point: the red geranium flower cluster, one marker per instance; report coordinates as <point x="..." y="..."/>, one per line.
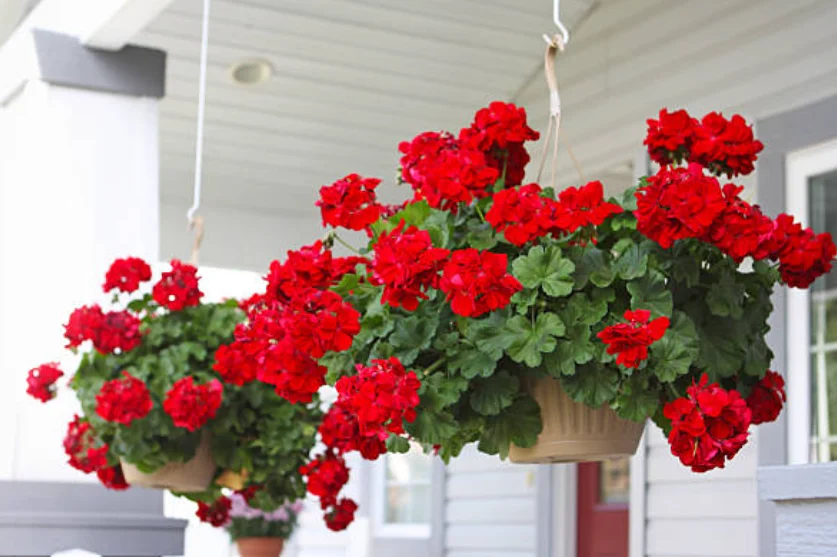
<point x="631" y="340"/>
<point x="350" y="203"/>
<point x="444" y="171"/>
<point x="327" y="474"/>
<point x="296" y="321"/>
<point x="478" y="282"/>
<point x="499" y="131"/>
<point x="178" y="288"/>
<point x="235" y="363"/>
<point x="723" y="146"/>
<point x="127" y="274"/>
<point x="741" y="230"/>
<point x="670" y="138"/>
<point x="381" y="397"/>
<point x="320" y="321"/>
<point x="681" y="203"/>
<point x="112" y="477"/>
<point x="709" y="425"/>
<point x="308" y="267"/>
<point x="191" y="406"/>
<point x="217" y="514"/>
<point x="110" y="332"/>
<point x="79" y="444"/>
<point x="803" y="255"/>
<point x="341" y="515"/>
<point x="406" y="264"/>
<point x="523" y="214"/>
<point x="584" y="206"/>
<point x="370" y="406"/>
<point x="123" y="400"/>
<point x="41" y="381"/>
<point x="678" y="203"/>
<point x="767" y="398"/>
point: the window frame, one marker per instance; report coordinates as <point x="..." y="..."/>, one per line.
<point x="801" y="165"/>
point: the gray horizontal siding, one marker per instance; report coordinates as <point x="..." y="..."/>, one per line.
<point x="700" y="515"/>
<point x="490" y="508"/>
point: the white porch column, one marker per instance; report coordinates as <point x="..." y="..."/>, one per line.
<point x="78" y="188"/>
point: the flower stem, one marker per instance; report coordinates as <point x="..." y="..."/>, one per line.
<point x="435" y="365"/>
<point x="346" y="245"/>
<point x="479" y="212"/>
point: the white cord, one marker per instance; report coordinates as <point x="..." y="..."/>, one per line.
<point x="196" y="203"/>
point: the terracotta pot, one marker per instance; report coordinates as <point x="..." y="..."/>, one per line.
<point x="260" y="547"/>
<point x="191" y="476"/>
<point x="574" y="432"/>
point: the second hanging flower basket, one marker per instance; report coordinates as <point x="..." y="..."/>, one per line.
<point x="166" y="405"/>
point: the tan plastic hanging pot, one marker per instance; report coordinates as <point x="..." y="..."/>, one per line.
<point x="187" y="477"/>
<point x="574" y="432"/>
<point x="260" y="547"/>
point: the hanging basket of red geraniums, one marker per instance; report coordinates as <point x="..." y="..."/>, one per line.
<point x="159" y="408"/>
<point x="489" y="311"/>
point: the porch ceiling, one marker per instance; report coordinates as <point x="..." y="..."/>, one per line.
<point x="351" y="79"/>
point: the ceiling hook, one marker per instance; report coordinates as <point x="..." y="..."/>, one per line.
<point x="556" y="17"/>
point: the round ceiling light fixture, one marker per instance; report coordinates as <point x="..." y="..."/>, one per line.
<point x="251" y="72"/>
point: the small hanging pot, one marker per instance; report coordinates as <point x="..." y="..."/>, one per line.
<point x="186" y="477"/>
<point x="260" y="547"/>
<point x="574" y="432"/>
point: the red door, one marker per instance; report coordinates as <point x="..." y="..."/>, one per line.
<point x="603" y="491"/>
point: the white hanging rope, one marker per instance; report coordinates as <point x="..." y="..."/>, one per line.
<point x="196" y="202"/>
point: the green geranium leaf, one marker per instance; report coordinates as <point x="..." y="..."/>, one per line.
<point x="674" y="354"/>
<point x="439" y="227"/>
<point x="482" y="237"/>
<point x="439" y="391"/>
<point x="382" y="350"/>
<point x="472" y="362"/>
<point x="414" y="214"/>
<point x="412" y="335"/>
<point x="490" y="334"/>
<point x="448" y="343"/>
<point x="519" y="424"/>
<point x="524" y="299"/>
<point x="722" y="347"/>
<point x="397" y="444"/>
<point x="347" y="284"/>
<point x="629" y="197"/>
<point x="593" y="266"/>
<point x="580" y="308"/>
<point x="491" y="395"/>
<point x="433" y="428"/>
<point x="650" y="292"/>
<point x="636" y="400"/>
<point x="592" y="384"/>
<point x="546" y="269"/>
<point x="758" y="356"/>
<point x="726" y="297"/>
<point x="632" y="263"/>
<point x="531" y="340"/>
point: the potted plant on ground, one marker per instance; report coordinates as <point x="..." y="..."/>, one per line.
<point x="163" y="405"/>
<point x="544" y="325"/>
<point x="259" y="533"/>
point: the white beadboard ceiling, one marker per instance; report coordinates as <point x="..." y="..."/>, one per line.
<point x="352" y="78"/>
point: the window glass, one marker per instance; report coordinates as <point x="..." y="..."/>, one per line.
<point x="407" y="496"/>
<point x="615" y="481"/>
